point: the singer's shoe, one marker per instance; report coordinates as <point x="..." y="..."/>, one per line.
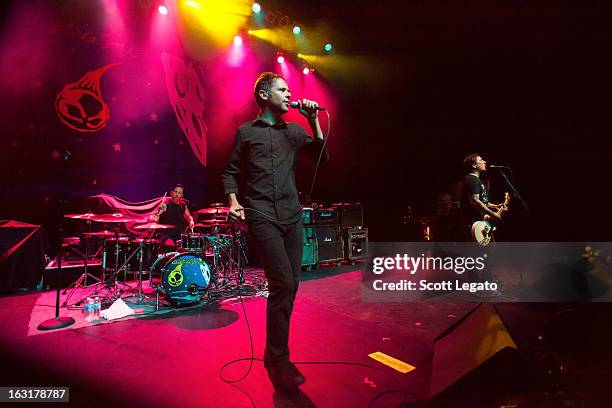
<point x="285" y="375"/>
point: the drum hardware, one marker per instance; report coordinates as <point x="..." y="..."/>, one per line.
<point x="203" y="267"/>
<point x="111" y="284"/>
<point x="185" y="277"/>
<point x="117" y="218"/>
<point x="213" y="210"/>
<point x="191" y="242"/>
<point x="103" y="234"/>
<point x="141" y="250"/>
<point x="81" y="282"/>
<point x="153" y="226"/>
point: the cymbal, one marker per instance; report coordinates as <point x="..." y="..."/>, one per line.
<point x="105" y="233"/>
<point x="153" y="226"/>
<point x="117" y="217"/>
<point x="213" y="210"/>
<point x="86" y="216"/>
<point x="211" y="223"/>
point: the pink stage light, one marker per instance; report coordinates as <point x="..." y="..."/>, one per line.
<point x="280" y="59"/>
<point x="306" y="71"/>
<point x="237" y="40"/>
<point x="163" y="10"/>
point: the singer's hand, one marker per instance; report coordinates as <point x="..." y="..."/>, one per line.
<point x="309" y="109"/>
<point x="236" y="212"/>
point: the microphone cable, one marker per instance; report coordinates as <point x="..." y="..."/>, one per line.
<point x="325" y="139"/>
<point x="234" y="382"/>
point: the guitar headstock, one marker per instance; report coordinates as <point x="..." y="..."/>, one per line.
<point x="506" y="199"/>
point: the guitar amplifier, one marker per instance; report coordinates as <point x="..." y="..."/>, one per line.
<point x="306" y="215"/>
<point x="330" y="243"/>
<point x="325" y="216"/>
<point x="355" y="243"/>
<point x="350" y="214"/>
<point x="310" y="252"/>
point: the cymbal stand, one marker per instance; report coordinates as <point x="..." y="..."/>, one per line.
<point x="111" y="284"/>
<point x="81" y="282"/>
<point x="140" y="251"/>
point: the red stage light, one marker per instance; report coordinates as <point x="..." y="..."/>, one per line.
<point x="280" y="59"/>
<point x="306" y="71"/>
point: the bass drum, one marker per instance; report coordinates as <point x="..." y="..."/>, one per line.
<point x="184" y="276"/>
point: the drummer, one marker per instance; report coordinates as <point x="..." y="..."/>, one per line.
<point x="173" y="211"/>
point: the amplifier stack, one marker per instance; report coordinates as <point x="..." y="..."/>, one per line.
<point x="333" y="234"/>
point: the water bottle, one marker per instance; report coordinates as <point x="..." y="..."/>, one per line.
<point x="98" y="307"/>
<point x="86" y="309"/>
<point x="90" y="310"/>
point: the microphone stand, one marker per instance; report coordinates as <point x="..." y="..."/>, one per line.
<point x="514" y="190"/>
<point x="518" y="196"/>
<point x="59" y="321"/>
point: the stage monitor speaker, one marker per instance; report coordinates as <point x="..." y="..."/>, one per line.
<point x="330" y="243"/>
<point x="310" y="252"/>
<point x="476" y="361"/>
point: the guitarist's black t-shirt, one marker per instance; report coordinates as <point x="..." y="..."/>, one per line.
<point x="472" y="185"/>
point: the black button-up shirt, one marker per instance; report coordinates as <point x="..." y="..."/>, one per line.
<point x="264" y="159"/>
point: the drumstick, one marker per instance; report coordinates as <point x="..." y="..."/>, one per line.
<point x="163" y="200"/>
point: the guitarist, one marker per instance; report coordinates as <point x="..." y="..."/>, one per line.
<point x="474" y="197"/>
<point x="475" y="204"/>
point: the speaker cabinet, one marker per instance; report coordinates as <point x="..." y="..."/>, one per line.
<point x="330" y="243"/>
<point x="355" y="243"/>
<point x="350" y="214"/>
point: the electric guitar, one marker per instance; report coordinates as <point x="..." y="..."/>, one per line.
<point x="482" y="231"/>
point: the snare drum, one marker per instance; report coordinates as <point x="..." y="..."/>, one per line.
<point x="185" y="277"/>
<point x="192" y="242"/>
<point x="109" y="260"/>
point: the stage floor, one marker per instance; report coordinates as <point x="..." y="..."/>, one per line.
<point x="174" y="359"/>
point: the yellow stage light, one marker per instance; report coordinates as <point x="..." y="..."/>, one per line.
<point x="215" y="21"/>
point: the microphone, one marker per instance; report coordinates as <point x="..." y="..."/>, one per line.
<point x="296" y="105"/>
<point x="493" y="166"/>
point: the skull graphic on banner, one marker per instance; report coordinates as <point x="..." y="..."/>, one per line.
<point x="185" y="85"/>
<point x="80" y="105"/>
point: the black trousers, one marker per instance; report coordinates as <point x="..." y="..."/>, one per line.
<point x="280" y="251"/>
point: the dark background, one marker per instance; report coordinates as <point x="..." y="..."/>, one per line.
<point x="524" y="83"/>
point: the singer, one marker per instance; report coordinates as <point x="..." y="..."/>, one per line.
<point x="263" y="160"/>
<point x="173" y="211"/>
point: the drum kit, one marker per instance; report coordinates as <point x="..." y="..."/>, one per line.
<point x="205" y="261"/>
